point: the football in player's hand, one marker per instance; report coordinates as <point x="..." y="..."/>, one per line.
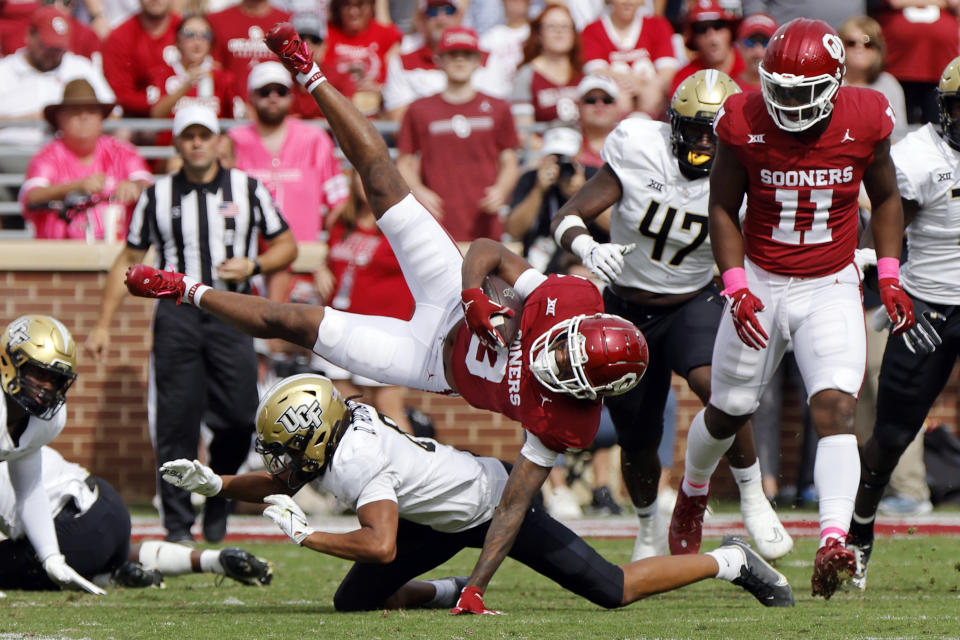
<point x="499" y="291"/>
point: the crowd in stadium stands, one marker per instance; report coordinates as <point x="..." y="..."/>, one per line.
<point x="502" y="106"/>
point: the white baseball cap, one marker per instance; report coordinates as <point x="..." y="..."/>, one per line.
<point x="604" y="83"/>
<point x="195" y="114"/>
<point x="561" y="141"/>
<point x="265" y="73"/>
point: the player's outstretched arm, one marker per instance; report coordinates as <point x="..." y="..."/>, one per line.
<point x="194" y="476"/>
<point x="374" y="541"/>
<point x="524" y="482"/>
<point x="358" y="138"/>
<point x="486" y="257"/>
<point x="253" y="315"/>
<point x="570" y="232"/>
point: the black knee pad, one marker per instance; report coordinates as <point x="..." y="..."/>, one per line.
<point x="875" y="479"/>
<point x="894" y="438"/>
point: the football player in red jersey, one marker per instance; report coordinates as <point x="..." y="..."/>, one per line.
<point x="551" y="378"/>
<point x="798" y="150"/>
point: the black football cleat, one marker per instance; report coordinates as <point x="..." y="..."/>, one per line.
<point x="245" y="567"/>
<point x="761" y="580"/>
<point x="133" y="576"/>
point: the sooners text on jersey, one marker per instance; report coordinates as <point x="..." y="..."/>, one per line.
<point x="501" y="380"/>
<point x="801" y="215"/>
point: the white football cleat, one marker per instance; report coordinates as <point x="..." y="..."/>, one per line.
<point x="766" y="530"/>
<point x="651" y="538"/>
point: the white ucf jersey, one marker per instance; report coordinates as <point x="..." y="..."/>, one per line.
<point x="62" y="481"/>
<point x="661" y="210"/>
<point x="433" y="484"/>
<point x="38" y="433"/>
<point x="928" y="172"/>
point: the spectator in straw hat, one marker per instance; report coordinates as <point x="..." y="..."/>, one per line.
<point x="81" y="160"/>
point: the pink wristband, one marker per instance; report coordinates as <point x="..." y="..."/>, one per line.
<point x="888" y="268"/>
<point x="734" y="279"/>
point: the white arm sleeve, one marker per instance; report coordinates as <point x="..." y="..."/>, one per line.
<point x="33" y="506"/>
<point x="537" y="452"/>
<point x="527" y="282"/>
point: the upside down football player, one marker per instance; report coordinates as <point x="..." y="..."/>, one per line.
<point x="420" y="502"/>
<point x="657" y="176"/>
<point x="565" y="358"/>
<point x="799" y="150"/>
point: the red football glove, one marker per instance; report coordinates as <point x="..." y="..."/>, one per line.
<point x="898" y="304"/>
<point x="284" y="41"/>
<point x="743" y="308"/>
<point x="478" y="311"/>
<point x="147" y="282"/>
<point x="471" y="601"/>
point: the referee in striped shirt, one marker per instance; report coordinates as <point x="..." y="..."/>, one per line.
<point x="206" y="221"/>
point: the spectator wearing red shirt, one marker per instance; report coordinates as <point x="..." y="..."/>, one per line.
<point x="636" y="50"/>
<point x="13" y="29"/>
<point x="922" y="38"/>
<point x="709" y="34"/>
<point x="135" y="52"/>
<point x="83" y="160"/>
<point x="545" y="85"/>
<point x="238" y="32"/>
<point x="194" y="77"/>
<point x="358" y="48"/>
<point x="362" y="275"/>
<point x="457" y="148"/>
<point x="753" y="35"/>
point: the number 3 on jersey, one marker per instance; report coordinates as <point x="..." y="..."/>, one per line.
<point x="786" y="231"/>
<point x="484" y="362"/>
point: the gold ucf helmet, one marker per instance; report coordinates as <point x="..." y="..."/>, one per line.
<point x="44" y="344"/>
<point x="694" y="104"/>
<point x="948" y="97"/>
<point x="299" y="424"/>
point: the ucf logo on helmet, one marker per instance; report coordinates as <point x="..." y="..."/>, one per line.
<point x="19" y="331"/>
<point x="303" y="417"/>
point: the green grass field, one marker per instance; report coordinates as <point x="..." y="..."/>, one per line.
<point x="913" y="591"/>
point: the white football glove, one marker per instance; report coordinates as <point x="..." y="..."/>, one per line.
<point x="604" y="260"/>
<point x="288" y="515"/>
<point x="63" y="574"/>
<point x="193" y="476"/>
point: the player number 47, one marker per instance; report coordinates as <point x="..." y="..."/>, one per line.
<point x="661" y="235"/>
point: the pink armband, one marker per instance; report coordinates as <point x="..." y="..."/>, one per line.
<point x="734" y="279"/>
<point x="888" y="268"/>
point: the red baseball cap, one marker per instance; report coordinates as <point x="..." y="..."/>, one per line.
<point x="758" y="23"/>
<point x="458" y="39"/>
<point x="52" y="26"/>
<point x="707" y="11"/>
<point x="426" y="4"/>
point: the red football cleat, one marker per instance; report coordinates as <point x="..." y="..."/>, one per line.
<point x="834" y="564"/>
<point x="284" y="41"/>
<point x="686" y="525"/>
<point x="146" y="282"/>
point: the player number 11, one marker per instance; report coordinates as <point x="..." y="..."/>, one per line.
<point x="787" y="232"/>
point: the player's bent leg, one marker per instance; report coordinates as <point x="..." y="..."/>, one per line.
<point x="429" y="258"/>
<point x="388" y="350"/>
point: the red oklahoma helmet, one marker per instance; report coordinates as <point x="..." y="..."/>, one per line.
<point x="607" y="354"/>
<point x="801" y="73"/>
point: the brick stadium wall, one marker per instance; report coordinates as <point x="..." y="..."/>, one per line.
<point x="107" y="420"/>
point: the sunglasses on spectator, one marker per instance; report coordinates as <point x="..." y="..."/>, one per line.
<point x="190" y="35"/>
<point x="312" y="39"/>
<point x="866" y="43"/>
<point x="436" y="10"/>
<point x="279" y="89"/>
<point x="65" y="3"/>
<point x="701" y="28"/>
<point x="596" y="99"/>
<point x="751" y="41"/>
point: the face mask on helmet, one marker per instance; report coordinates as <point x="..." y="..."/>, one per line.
<point x="299" y="424"/>
<point x="692" y="109"/>
<point x="948" y="99"/>
<point x="797" y="103"/>
<point x="38" y="363"/>
<point x="589" y="356"/>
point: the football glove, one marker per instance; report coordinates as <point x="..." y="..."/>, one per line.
<point x="146" y="282"/>
<point x="478" y="311"/>
<point x="604" y="260"/>
<point x="471" y="601"/>
<point x="285" y="42"/>
<point x="922" y="338"/>
<point x="192" y="476"/>
<point x="744" y="307"/>
<point x="64" y="575"/>
<point x="288" y="515"/>
<point x="898" y="304"/>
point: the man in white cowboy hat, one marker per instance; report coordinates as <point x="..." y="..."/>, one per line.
<point x="82" y="162"/>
